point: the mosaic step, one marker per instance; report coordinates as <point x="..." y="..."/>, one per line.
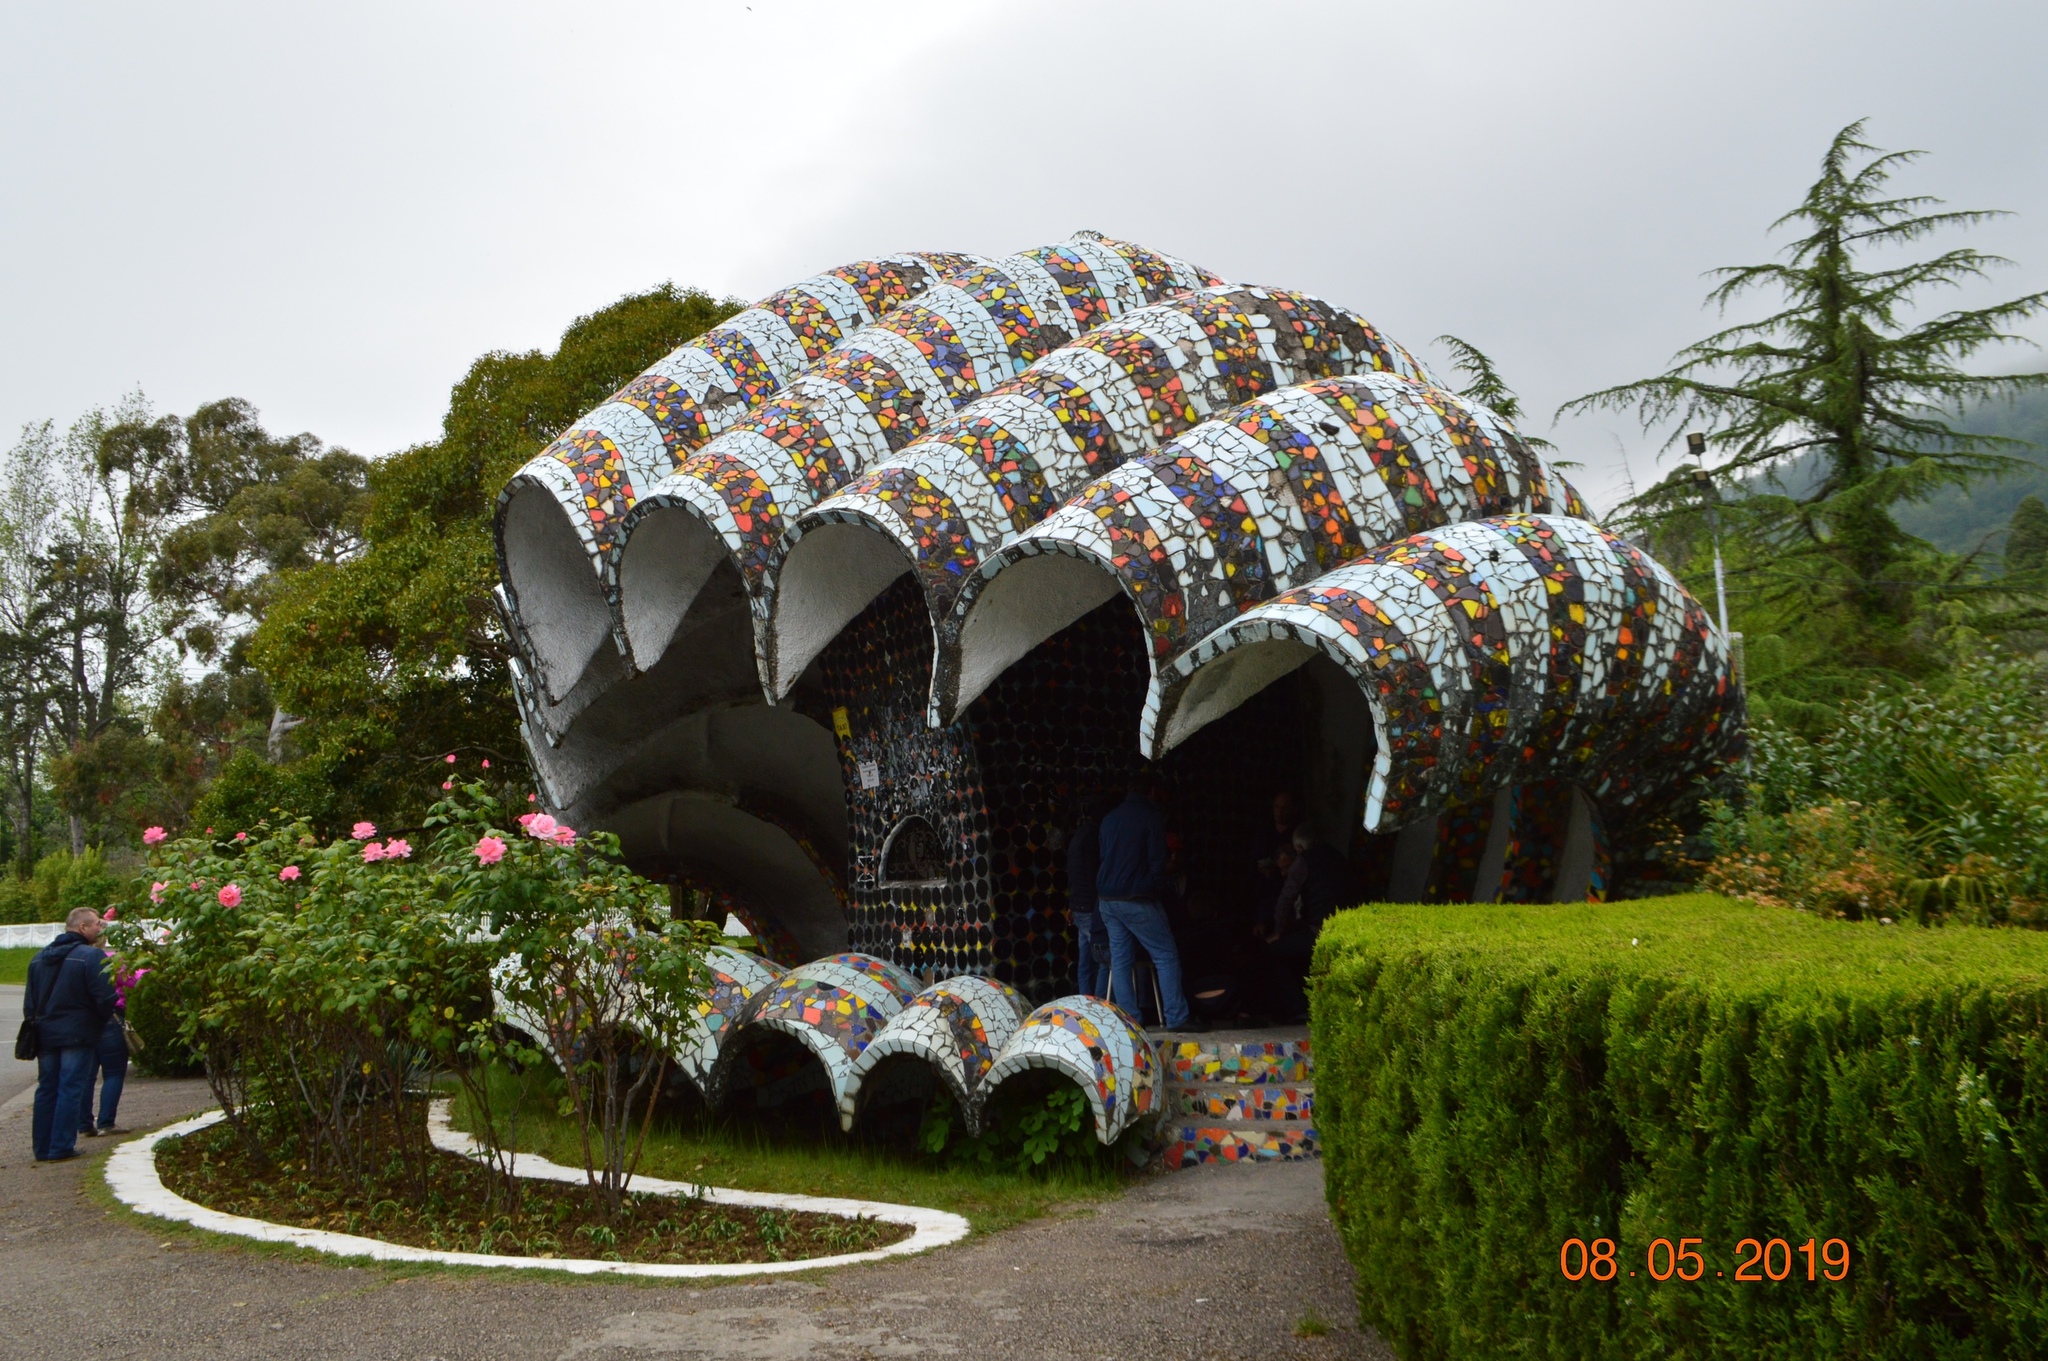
<point x="1234" y="1101"/>
<point x="1238" y="1096"/>
<point x="1254" y="1142"/>
<point x="1250" y="1061"/>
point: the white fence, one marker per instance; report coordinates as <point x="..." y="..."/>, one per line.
<point x="34" y="934"/>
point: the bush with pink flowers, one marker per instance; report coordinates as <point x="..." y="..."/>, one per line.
<point x="326" y="985"/>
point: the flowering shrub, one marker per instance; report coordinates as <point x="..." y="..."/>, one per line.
<point x="1929" y="802"/>
<point x="324" y="985"/>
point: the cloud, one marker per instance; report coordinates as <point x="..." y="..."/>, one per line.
<point x="333" y="213"/>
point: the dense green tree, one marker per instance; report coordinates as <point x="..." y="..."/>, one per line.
<point x="394" y="657"/>
<point x="2026" y="541"/>
<point x="1850" y="380"/>
<point x="237" y="507"/>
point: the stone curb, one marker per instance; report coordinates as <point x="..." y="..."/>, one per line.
<point x="131" y="1175"/>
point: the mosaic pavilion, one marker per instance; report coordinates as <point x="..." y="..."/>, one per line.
<point x="842" y="612"/>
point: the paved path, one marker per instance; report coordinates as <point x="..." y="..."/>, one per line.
<point x="15" y="1076"/>
<point x="1210" y="1263"/>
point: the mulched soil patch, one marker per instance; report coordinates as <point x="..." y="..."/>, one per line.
<point x="556" y="1219"/>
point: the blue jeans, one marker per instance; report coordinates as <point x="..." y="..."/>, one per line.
<point x="1091" y="941"/>
<point x="63" y="1077"/>
<point x="1144" y="924"/>
<point x="112" y="1060"/>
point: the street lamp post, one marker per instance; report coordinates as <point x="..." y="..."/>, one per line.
<point x="1710" y="495"/>
<point x="1696" y="445"/>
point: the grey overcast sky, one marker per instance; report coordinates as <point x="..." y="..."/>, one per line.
<point x="331" y="210"/>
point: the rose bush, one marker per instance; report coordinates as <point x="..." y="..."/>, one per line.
<point x="324" y="986"/>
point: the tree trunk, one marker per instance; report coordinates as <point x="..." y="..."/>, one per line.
<point x="77" y="836"/>
<point x="280" y="724"/>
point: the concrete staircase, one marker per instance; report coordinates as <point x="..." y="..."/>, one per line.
<point x="1239" y="1096"/>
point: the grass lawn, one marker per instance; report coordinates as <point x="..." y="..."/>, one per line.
<point x="14" y="964"/>
<point x="745" y="1157"/>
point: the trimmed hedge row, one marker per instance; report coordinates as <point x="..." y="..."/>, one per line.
<point x="1492" y="1081"/>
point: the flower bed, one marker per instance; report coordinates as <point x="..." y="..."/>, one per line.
<point x="210" y="1167"/>
<point x="671" y="1229"/>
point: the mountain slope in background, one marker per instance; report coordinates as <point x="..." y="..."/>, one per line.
<point x="1958" y="520"/>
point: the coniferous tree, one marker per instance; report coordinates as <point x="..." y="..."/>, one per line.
<point x="1845" y="379"/>
<point x="1484" y="385"/>
<point x="2026" y="541"/>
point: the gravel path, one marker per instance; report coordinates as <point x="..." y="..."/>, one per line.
<point x="1211" y="1263"/>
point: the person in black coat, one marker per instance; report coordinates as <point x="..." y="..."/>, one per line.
<point x="71" y="999"/>
<point x="1316" y="883"/>
<point x="1091" y="933"/>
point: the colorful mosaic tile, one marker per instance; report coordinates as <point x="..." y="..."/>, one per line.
<point x="1102" y="1049"/>
<point x="1442" y="632"/>
<point x="1238" y="1102"/>
<point x="1250" y="494"/>
<point x="1193" y="1145"/>
<point x="1251" y="1063"/>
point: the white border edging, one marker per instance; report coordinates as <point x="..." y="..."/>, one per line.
<point x="131" y="1175"/>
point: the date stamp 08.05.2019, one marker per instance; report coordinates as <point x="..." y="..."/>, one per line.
<point x="1664" y="1260"/>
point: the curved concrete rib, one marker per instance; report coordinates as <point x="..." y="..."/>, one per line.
<point x="946" y="502"/>
<point x="957" y="1028"/>
<point x="1269" y="496"/>
<point x="1615" y="658"/>
<point x="561" y="511"/>
<point x="834" y="1007"/>
<point x="736" y="977"/>
<point x="882" y="388"/>
<point x="1096" y="1045"/>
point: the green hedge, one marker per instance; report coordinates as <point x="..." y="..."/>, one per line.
<point x="1492" y="1081"/>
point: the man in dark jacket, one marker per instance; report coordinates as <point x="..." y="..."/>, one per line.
<point x="1091" y="937"/>
<point x="1130" y="888"/>
<point x="71" y="998"/>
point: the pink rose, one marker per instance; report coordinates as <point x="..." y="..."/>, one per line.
<point x="241" y="836"/>
<point x="447" y="785"/>
<point x="397" y="849"/>
<point x="363" y="831"/>
<point x="230" y="896"/>
<point x="526" y="820"/>
<point x="156" y="890"/>
<point x="564" y="836"/>
<point x="108" y="915"/>
<point x="487" y="763"/>
<point x="451" y="758"/>
<point x="372" y="853"/>
<point x="533" y="798"/>
<point x="490" y="850"/>
<point x="542" y="826"/>
<point x="288" y="873"/>
<point x="194" y="886"/>
<point x="152" y="835"/>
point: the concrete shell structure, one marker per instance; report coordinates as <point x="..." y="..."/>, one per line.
<point x="854" y="1015"/>
<point x="851" y="662"/>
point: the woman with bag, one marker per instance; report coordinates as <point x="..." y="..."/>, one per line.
<point x="111" y="1063"/>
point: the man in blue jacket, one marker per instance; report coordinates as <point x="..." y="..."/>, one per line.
<point x="1130" y="890"/>
<point x="71" y="998"/>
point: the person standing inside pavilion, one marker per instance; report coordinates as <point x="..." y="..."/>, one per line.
<point x="1131" y="884"/>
